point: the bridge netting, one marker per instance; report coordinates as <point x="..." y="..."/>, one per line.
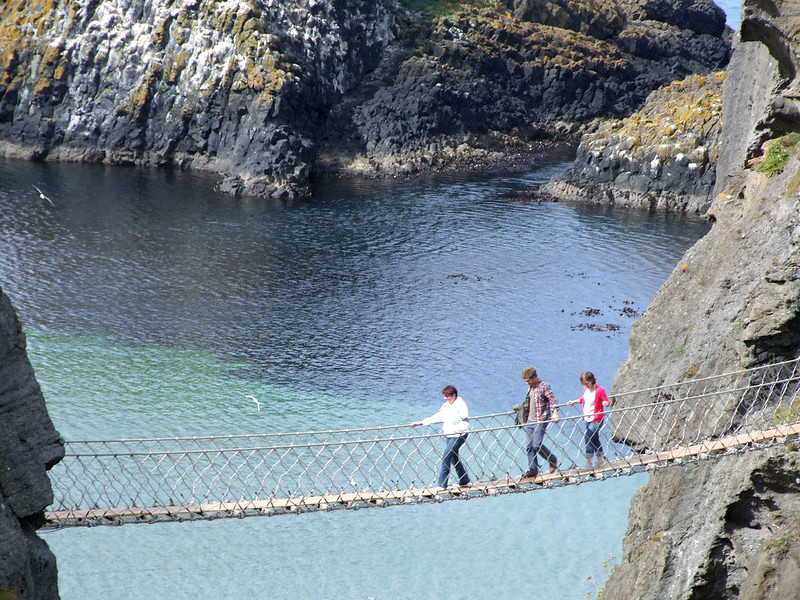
<point x="167" y="479"/>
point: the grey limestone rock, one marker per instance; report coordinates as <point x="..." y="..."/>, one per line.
<point x="722" y="529"/>
<point x="727" y="529"/>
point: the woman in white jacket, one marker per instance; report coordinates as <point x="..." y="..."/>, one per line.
<point x="454" y="417"/>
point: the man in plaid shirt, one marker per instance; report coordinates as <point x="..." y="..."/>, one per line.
<point x="543" y="408"/>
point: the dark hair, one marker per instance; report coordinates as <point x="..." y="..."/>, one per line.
<point x="588" y="377"/>
<point x="449" y="390"/>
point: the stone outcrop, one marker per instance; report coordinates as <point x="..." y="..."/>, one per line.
<point x="662" y="174"/>
<point x="764" y="86"/>
<point x="264" y="92"/>
<point x="29" y="446"/>
<point x="721" y="529"/>
<point x="480" y="85"/>
<point x="729" y="529"/>
<point x="233" y="87"/>
<point x="695" y="15"/>
<point x="663" y="157"/>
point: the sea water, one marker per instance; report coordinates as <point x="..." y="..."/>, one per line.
<point x="153" y="306"/>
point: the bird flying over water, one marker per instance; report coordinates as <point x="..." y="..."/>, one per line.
<point x="42" y="196"/>
<point x="254" y="399"/>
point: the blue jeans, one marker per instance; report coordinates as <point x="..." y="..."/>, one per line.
<point x="534" y="438"/>
<point x="450" y="458"/>
<point x="592" y="439"/>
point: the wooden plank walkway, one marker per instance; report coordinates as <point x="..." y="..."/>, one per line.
<point x="634" y="462"/>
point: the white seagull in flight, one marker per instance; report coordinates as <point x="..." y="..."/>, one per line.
<point x="42" y="196"/>
<point x="254" y="399"/>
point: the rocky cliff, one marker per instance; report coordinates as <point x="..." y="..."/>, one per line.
<point x="29" y="445"/>
<point x="666" y="155"/>
<point x="239" y="88"/>
<point x="662" y="157"/>
<point x="267" y="92"/>
<point x="729" y="529"/>
<point x="481" y="85"/>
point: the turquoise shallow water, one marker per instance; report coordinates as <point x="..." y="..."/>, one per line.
<point x="153" y="306"/>
<point x="544" y="545"/>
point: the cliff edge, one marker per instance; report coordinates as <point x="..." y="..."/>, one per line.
<point x="269" y="93"/>
<point x="729" y="529"/>
<point x="29" y="446"/>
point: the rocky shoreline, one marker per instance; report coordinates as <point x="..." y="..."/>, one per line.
<point x="271" y="94"/>
<point x="662" y="157"/>
<point x="268" y="95"/>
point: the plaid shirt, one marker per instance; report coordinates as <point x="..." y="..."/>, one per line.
<point x="541" y="402"/>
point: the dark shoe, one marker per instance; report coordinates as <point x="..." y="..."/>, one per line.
<point x="529" y="474"/>
<point x="553" y="467"/>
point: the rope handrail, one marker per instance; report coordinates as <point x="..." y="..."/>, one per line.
<point x="692" y="382"/>
<point x="615" y="396"/>
<point x="153" y="479"/>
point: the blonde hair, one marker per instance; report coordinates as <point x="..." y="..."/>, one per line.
<point x="528" y="373"/>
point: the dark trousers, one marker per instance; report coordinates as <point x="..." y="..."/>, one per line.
<point x="534" y="437"/>
<point x="451" y="458"/>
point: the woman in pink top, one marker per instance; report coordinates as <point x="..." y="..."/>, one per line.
<point x="594" y="399"/>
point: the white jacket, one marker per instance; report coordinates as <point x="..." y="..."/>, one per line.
<point x="453" y="417"/>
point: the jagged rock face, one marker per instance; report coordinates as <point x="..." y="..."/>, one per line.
<point x="662" y="157"/>
<point x="776" y="24"/>
<point x="744" y="273"/>
<point x="764" y="102"/>
<point x="480" y="72"/>
<point x="236" y="87"/>
<point x="700" y="16"/>
<point x="597" y="19"/>
<point x="246" y="88"/>
<point x="726" y="529"/>
<point x="29" y="445"/>
<point x="733" y="300"/>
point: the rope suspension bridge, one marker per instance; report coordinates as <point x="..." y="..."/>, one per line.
<point x="111" y="482"/>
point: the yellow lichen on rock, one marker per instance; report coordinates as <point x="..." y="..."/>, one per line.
<point x="670" y="122"/>
<point x="173" y="65"/>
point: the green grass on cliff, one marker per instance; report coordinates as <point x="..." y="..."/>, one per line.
<point x="789" y="414"/>
<point x="777" y="153"/>
<point x="781" y="544"/>
<point x="438" y="8"/>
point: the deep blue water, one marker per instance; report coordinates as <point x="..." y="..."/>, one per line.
<point x="153" y="305"/>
